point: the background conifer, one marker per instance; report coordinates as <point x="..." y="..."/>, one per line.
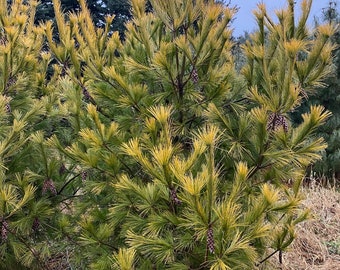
<point x="328" y="97"/>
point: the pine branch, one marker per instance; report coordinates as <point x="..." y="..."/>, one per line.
<point x="36" y="255"/>
<point x="268" y="257"/>
<point x="67" y="183"/>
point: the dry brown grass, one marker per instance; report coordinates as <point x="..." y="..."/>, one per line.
<point x="317" y="245"/>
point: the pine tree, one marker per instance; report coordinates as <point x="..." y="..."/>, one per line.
<point x="98" y="9"/>
<point x="188" y="161"/>
<point x="45" y="9"/>
<point x="329" y="98"/>
<point x="31" y="188"/>
<point x="169" y="157"/>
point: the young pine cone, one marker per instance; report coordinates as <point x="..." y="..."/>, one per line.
<point x="48" y="185"/>
<point x="83" y="176"/>
<point x="210" y="240"/>
<point x="194" y="76"/>
<point x="11" y="81"/>
<point x="3" y="41"/>
<point x="173" y="196"/>
<point x="62" y="169"/>
<point x="275" y="121"/>
<point x="87" y="95"/>
<point x="36" y="224"/>
<point x="8" y="108"/>
<point x="4" y="231"/>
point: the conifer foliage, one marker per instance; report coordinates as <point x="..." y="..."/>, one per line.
<point x="31" y="191"/>
<point x="170" y="158"/>
<point x="329" y="166"/>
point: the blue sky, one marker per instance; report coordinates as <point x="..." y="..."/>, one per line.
<point x="245" y="19"/>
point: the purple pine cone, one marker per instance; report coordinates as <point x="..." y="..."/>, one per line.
<point x="210" y="240"/>
<point x="4" y="230"/>
<point x="275" y="121"/>
<point x="194" y="76"/>
<point x="48" y="185"/>
<point x="173" y="196"/>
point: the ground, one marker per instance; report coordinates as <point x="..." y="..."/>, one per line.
<point x="317" y="246"/>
